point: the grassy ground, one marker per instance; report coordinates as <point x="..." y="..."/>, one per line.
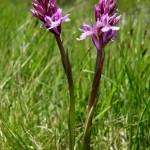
<point x="33" y="89"/>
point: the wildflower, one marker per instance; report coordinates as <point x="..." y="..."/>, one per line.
<point x="101" y="34"/>
<point x="105" y="28"/>
<point x="51" y="16"/>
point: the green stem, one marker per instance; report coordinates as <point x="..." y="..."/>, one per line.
<point x="92" y="100"/>
<point x="68" y="72"/>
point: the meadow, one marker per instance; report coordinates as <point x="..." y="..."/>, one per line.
<point x="33" y="88"/>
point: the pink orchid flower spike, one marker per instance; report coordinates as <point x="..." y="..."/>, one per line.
<point x="105" y="28"/>
<point x="51" y="16"/>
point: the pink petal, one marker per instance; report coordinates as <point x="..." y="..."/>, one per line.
<point x="54" y="24"/>
<point x="85" y="35"/>
<point x="105" y="29"/>
<point x="65" y="18"/>
<point x="114" y="28"/>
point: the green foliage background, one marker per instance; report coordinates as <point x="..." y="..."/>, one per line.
<point x="33" y="88"/>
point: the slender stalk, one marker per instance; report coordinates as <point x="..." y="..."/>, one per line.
<point x="92" y="100"/>
<point x="68" y="72"/>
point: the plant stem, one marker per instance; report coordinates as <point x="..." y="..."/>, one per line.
<point x="68" y="72"/>
<point x="92" y="100"/>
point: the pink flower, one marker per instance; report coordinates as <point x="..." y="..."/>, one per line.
<point x="51" y="16"/>
<point x="105" y="28"/>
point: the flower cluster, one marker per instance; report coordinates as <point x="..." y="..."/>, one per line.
<point x="51" y="16"/>
<point x="106" y="20"/>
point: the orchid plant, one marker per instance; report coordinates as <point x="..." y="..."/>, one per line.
<point x="48" y="12"/>
<point x="101" y="33"/>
